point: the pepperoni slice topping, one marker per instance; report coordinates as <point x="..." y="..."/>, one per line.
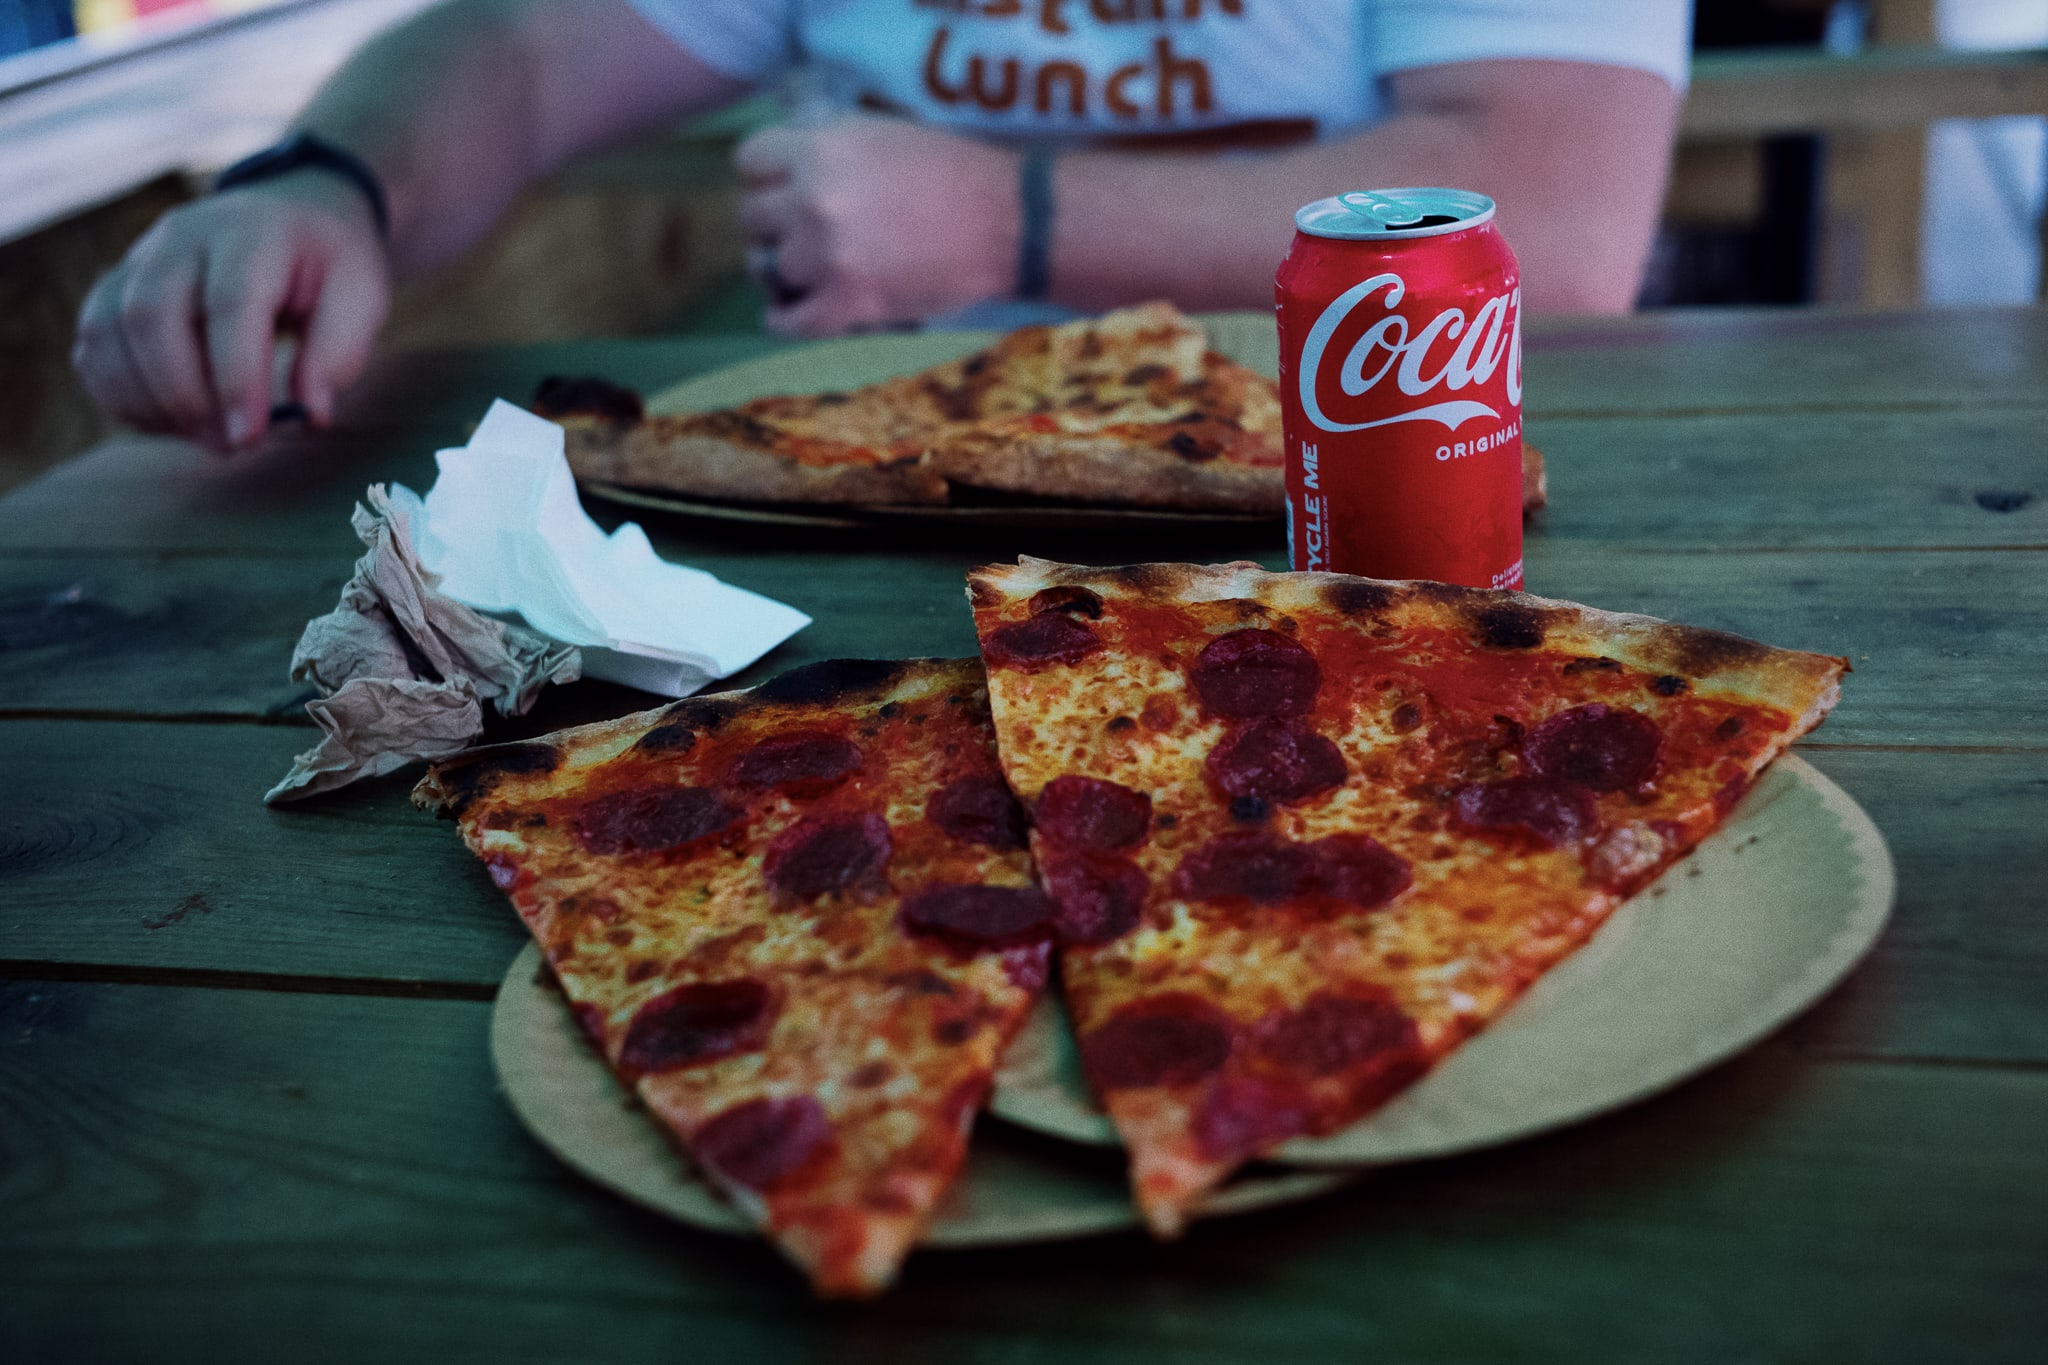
<point x="1254" y="865"/>
<point x="979" y="916"/>
<point x="698" y="1022"/>
<point x="1243" y="1115"/>
<point x="1275" y="760"/>
<point x="1088" y="813"/>
<point x="1099" y="897"/>
<point x="1251" y="865"/>
<point x="1551" y="812"/>
<point x="800" y="762"/>
<point x="759" y="1143"/>
<point x="1359" y="870"/>
<point x="1054" y="638"/>
<point x="1170" y="1039"/>
<point x="1251" y="673"/>
<point x="1332" y="1033"/>
<point x="1607" y="748"/>
<point x="978" y="810"/>
<point x="827" y="853"/>
<point x="1070" y="598"/>
<point x="652" y="819"/>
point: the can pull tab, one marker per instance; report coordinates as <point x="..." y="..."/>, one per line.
<point x="1389" y="213"/>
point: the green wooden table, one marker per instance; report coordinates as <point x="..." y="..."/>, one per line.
<point x="245" y="1102"/>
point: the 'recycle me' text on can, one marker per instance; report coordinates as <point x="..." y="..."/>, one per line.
<point x="1400" y="316"/>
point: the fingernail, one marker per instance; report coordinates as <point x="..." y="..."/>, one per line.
<point x="238" y="428"/>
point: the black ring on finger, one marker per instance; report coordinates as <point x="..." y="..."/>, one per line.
<point x="765" y="269"/>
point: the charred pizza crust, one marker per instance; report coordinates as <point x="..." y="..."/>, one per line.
<point x="770" y="450"/>
<point x="1210" y="441"/>
<point x="1306" y="833"/>
<point x="1129" y="409"/>
<point x="799" y="922"/>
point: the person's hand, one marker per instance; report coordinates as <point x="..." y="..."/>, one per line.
<point x="182" y="335"/>
<point x="869" y="221"/>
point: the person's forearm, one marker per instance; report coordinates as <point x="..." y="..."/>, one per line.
<point x="461" y="108"/>
<point x="442" y="112"/>
<point x="1578" y="202"/>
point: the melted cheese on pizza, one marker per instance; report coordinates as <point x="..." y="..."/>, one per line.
<point x="803" y="932"/>
<point x="1307" y="833"/>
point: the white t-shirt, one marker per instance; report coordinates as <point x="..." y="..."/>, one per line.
<point x="1242" y="70"/>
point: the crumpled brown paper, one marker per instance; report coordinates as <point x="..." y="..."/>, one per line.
<point x="403" y="670"/>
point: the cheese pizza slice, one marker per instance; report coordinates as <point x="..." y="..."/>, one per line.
<point x="1131" y="408"/>
<point x="1305" y="833"/>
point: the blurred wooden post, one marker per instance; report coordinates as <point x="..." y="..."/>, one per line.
<point x="1873" y="109"/>
<point x="1875" y="187"/>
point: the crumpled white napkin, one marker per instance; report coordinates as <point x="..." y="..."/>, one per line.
<point x="505" y="533"/>
<point x="406" y="660"/>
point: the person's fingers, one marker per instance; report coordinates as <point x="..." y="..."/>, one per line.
<point x="832" y="310"/>
<point x="159" y="321"/>
<point x="769" y="215"/>
<point x="101" y="360"/>
<point x="341" y="328"/>
<point x="800" y="263"/>
<point x="768" y="157"/>
<point x="244" y="292"/>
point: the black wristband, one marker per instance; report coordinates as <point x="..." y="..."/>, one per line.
<point x="302" y="150"/>
<point x="1034" y="238"/>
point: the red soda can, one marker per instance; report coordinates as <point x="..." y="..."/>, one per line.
<point x="1401" y="388"/>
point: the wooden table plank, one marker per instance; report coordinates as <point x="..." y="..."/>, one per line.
<point x="142" y="635"/>
<point x="1813" y="373"/>
<point x="1743" y="481"/>
<point x="161" y="635"/>
<point x="146" y="854"/>
<point x="1688" y="361"/>
<point x="1952" y="477"/>
<point x="319" y="1177"/>
<point x="148" y="846"/>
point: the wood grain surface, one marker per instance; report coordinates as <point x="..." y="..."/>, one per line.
<point x="332" y="1177"/>
<point x="246" y="1109"/>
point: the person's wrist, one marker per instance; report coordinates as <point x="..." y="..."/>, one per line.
<point x="304" y="155"/>
<point x="332" y="197"/>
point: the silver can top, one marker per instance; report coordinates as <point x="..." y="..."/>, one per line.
<point x="1383" y="215"/>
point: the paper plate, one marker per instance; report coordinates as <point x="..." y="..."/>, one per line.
<point x="848" y="363"/>
<point x="1756" y="924"/>
<point x="1017" y="1187"/>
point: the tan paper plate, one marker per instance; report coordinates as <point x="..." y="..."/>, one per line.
<point x="848" y="363"/>
<point x="1756" y="924"/>
<point x="1017" y="1187"/>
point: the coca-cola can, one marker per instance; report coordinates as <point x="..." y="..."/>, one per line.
<point x="1401" y="388"/>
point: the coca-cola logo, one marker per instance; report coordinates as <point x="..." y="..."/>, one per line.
<point x="1450" y="353"/>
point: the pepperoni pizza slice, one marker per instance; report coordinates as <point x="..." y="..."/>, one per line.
<point x="799" y="922"/>
<point x="1306" y="833"/>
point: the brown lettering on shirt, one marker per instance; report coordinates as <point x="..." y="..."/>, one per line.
<point x="1178" y="86"/>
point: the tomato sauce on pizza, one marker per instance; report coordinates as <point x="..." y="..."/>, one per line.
<point x="1306" y="833"/>
<point x="800" y="922"/>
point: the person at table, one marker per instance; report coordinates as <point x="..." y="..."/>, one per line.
<point x="1183" y="133"/>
